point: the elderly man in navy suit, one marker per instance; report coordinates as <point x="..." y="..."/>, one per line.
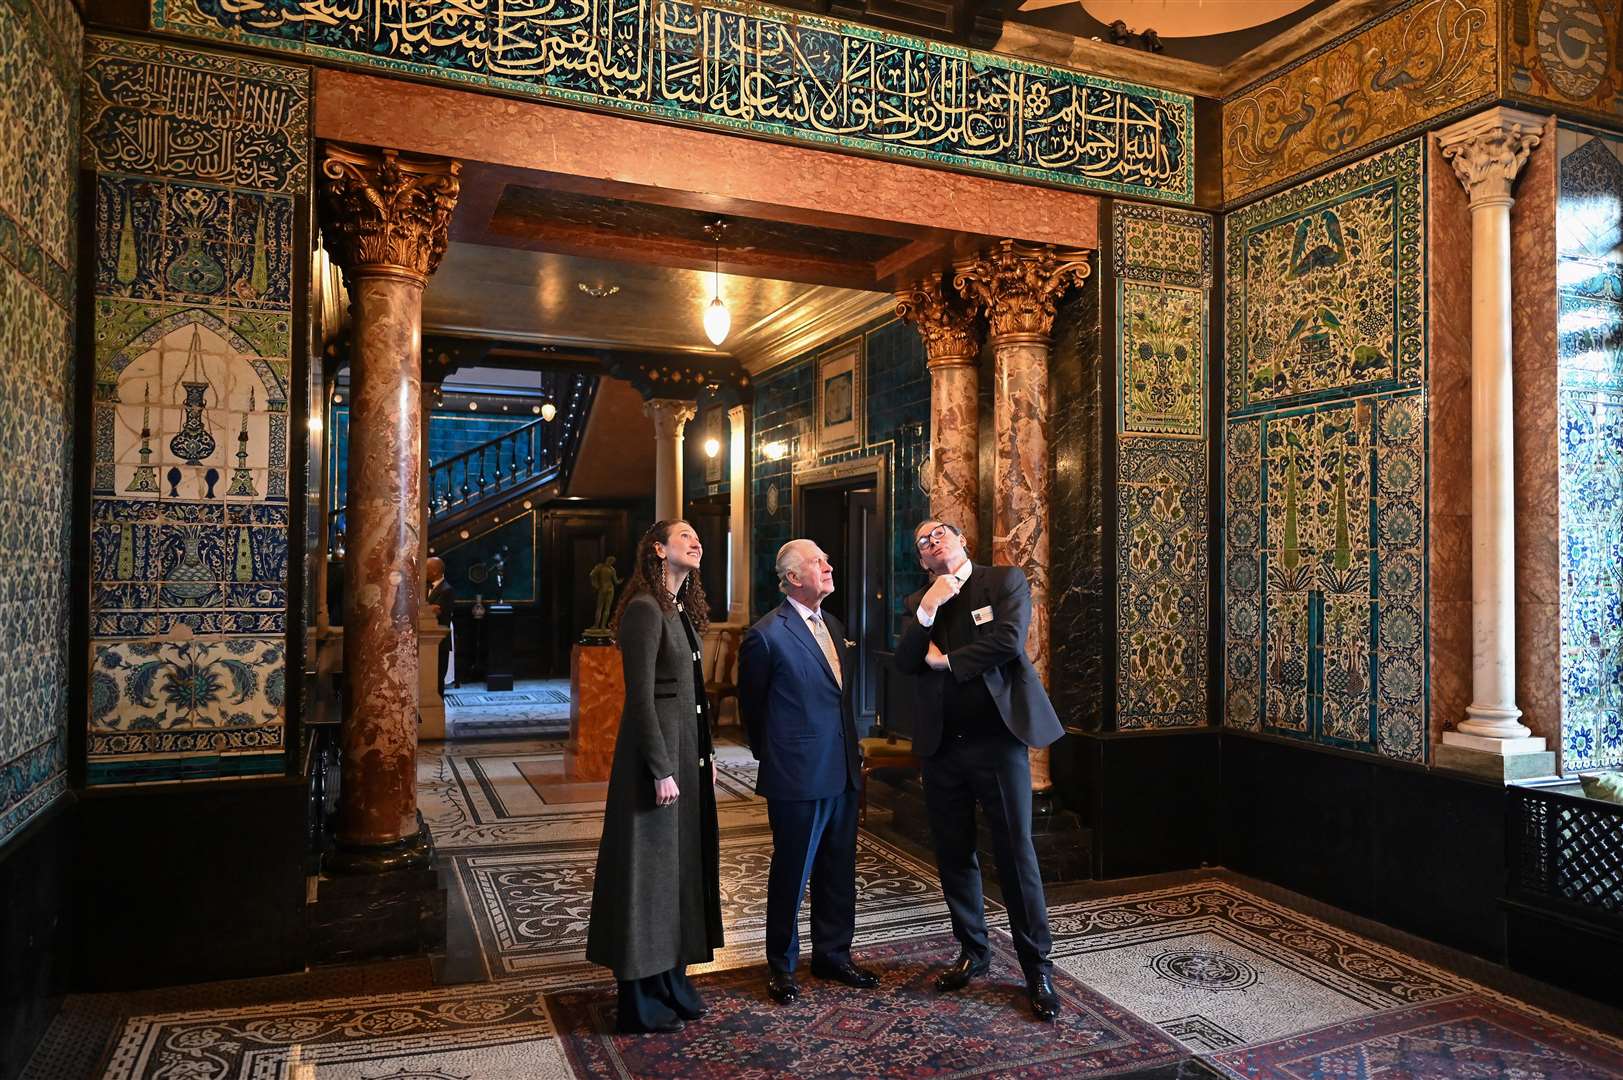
<point x="792" y="695"/>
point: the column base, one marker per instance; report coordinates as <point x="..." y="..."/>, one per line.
<point x="1499" y="765"/>
<point x="412" y="852"/>
<point x="366" y="913"/>
<point x="1487" y="744"/>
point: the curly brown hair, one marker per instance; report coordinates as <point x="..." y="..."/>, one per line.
<point x="648" y="576"/>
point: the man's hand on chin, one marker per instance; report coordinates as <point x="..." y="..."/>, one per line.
<point x="941" y="590"/>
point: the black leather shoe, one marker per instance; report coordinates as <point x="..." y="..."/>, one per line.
<point x="669" y="1027"/>
<point x="1044" y="1002"/>
<point x="782" y="986"/>
<point x="847" y="973"/>
<point x="690" y="1015"/>
<point x="964" y="969"/>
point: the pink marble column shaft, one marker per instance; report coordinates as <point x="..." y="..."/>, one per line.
<point x="378" y="800"/>
<point x="952" y="345"/>
<point x="386" y="219"/>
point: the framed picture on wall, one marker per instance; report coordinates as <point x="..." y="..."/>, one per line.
<point x="840" y="404"/>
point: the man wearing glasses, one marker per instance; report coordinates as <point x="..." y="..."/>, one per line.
<point x="980" y="706"/>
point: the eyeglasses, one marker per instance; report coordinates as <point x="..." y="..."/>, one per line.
<point x="935" y="536"/>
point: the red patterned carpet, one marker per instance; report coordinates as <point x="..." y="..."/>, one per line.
<point x="903" y="1029"/>
<point x="1466" y="1038"/>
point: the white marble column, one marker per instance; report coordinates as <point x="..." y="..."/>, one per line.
<point x="1488" y="151"/>
<point x="670" y="416"/>
<point x="738" y="529"/>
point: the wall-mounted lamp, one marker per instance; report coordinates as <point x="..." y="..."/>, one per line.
<point x="548" y="411"/>
<point x="712" y="446"/>
<point x="314" y="423"/>
<point x="775" y="450"/>
<point x="473" y="406"/>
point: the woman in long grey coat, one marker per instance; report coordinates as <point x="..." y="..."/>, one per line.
<point x="656" y="902"/>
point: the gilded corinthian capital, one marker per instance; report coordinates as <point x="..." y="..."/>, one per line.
<point x="946" y="324"/>
<point x="1019" y="284"/>
<point x="1488" y="151"/>
<point x="385" y="213"/>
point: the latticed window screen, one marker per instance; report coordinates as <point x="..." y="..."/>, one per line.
<point x="1567" y="848"/>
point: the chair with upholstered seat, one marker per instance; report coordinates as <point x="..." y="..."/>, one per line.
<point x="883" y="751"/>
<point x="721" y="678"/>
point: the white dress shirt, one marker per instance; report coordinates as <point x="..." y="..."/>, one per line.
<point x="962" y="574"/>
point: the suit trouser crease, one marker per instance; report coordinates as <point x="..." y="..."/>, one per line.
<point x="996" y="773"/>
<point x="813" y="841"/>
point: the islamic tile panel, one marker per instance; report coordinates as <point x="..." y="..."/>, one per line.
<point x="1162" y="585"/>
<point x="1589" y="220"/>
<point x="1325" y="462"/>
<point x="1326" y="286"/>
<point x="199" y="160"/>
<point x="1425" y="60"/>
<point x="1163" y="263"/>
<point x="39" y="63"/>
<point x="175" y="113"/>
<point x="1564" y="54"/>
<point x="829" y="83"/>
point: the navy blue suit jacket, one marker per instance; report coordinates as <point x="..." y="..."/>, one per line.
<point x="800" y="723"/>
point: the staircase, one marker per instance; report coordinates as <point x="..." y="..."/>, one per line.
<point x="517" y="464"/>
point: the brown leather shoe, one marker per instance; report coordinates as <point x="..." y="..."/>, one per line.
<point x="963" y="970"/>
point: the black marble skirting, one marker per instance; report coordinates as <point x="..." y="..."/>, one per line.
<point x="374" y="916"/>
<point x="36" y="931"/>
<point x="1056" y="833"/>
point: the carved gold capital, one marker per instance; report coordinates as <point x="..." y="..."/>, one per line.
<point x="670" y="416"/>
<point x="947" y="326"/>
<point x="1488" y="151"/>
<point x="1019" y="284"/>
<point x="385" y="213"/>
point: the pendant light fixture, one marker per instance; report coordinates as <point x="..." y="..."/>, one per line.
<point x="717" y="320"/>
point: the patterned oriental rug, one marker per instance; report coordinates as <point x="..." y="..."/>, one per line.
<point x="903" y="1029"/>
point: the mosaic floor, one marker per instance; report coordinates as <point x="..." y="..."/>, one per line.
<point x="533" y="709"/>
<point x="1202" y="978"/>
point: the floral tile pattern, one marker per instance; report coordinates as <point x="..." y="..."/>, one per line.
<point x="198" y="159"/>
<point x="1325" y="453"/>
<point x="40" y="44"/>
<point x="1163" y="261"/>
<point x="1589" y="237"/>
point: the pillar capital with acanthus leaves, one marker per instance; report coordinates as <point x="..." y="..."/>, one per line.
<point x="1019" y="285"/>
<point x="386" y="213"/>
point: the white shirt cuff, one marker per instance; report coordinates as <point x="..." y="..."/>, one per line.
<point x="925" y="621"/>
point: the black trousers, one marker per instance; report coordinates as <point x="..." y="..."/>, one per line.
<point x="995" y="773"/>
<point x="444" y="661"/>
<point x="813" y="840"/>
<point x="657" y="999"/>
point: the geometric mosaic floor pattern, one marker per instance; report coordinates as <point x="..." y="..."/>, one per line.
<point x="534" y="708"/>
<point x="1199" y="979"/>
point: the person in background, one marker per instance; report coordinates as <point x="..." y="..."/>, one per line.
<point x="798" y="712"/>
<point x="656" y="900"/>
<point x="443" y="599"/>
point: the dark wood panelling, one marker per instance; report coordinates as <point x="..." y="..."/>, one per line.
<point x="36" y="931"/>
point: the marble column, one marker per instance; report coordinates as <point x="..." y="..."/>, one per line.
<point x="952" y="347"/>
<point x="1487" y="152"/>
<point x="430" y="706"/>
<point x="670" y="416"/>
<point x="1018" y="286"/>
<point x="386" y="218"/>
<point x="738" y="525"/>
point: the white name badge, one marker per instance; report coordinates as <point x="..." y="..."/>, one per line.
<point x="982" y="615"/>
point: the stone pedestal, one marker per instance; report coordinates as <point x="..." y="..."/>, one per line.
<point x="1526" y="762"/>
<point x="597" y="696"/>
<point x="430" y="705"/>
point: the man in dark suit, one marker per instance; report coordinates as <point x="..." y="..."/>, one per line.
<point x="980" y="706"/>
<point x="801" y="726"/>
<point x="443" y="599"/>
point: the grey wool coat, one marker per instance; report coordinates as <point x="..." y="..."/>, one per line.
<point x="656" y="902"/>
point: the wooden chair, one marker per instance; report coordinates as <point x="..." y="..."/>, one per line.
<point x="721" y="681"/>
<point x="884" y="751"/>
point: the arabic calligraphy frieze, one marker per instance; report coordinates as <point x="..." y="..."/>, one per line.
<point x="167" y="112"/>
<point x="1427" y="59"/>
<point x="753" y="69"/>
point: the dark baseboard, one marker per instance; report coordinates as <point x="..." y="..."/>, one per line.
<point x="1420" y="850"/>
<point x="36" y="931"/>
<point x="190" y="883"/>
